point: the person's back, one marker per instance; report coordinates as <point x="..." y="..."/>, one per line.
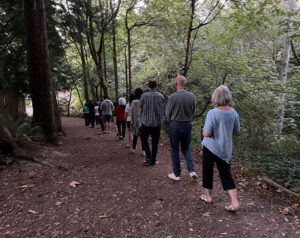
<point x="90" y="106"/>
<point x="96" y="109"/>
<point x="106" y="107"/>
<point x="221" y="124"/>
<point x="152" y="104"/>
<point x="181" y="106"/>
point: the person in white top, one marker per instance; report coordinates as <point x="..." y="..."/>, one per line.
<point x="96" y="110"/>
<point x="128" y="114"/>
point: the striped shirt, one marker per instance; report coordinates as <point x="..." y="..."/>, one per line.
<point x="152" y="105"/>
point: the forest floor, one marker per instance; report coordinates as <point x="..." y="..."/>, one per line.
<point x="118" y="197"/>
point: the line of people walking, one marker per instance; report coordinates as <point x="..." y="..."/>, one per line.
<point x="144" y="114"/>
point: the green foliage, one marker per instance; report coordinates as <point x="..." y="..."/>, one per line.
<point x="22" y="128"/>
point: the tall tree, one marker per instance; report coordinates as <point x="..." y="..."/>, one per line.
<point x="285" y="63"/>
<point x="38" y="66"/>
<point x="213" y="13"/>
<point x="102" y="23"/>
<point x="114" y="33"/>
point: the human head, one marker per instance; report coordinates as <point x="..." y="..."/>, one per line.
<point x="131" y="97"/>
<point x="221" y="96"/>
<point x="122" y="101"/>
<point x="105" y="97"/>
<point x="152" y="83"/>
<point x="138" y="93"/>
<point x="180" y="82"/>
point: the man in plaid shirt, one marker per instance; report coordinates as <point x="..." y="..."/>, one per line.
<point x="152" y="107"/>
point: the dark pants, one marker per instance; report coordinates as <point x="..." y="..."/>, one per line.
<point x="180" y="134"/>
<point x="121" y="128"/>
<point x="134" y="140"/>
<point x="86" y="119"/>
<point x="92" y="120"/>
<point x="99" y="122"/>
<point x="145" y="132"/>
<point x="208" y="161"/>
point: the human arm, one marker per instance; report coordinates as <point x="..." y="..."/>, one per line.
<point x="205" y="134"/>
<point x="208" y="126"/>
<point x="236" y="126"/>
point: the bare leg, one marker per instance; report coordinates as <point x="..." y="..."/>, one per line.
<point x="208" y="194"/>
<point x="129" y="137"/>
<point x="233" y="196"/>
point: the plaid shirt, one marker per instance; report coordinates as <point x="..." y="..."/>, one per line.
<point x="152" y="105"/>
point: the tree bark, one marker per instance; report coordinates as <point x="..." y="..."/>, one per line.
<point x="115" y="59"/>
<point x="126" y="74"/>
<point x="129" y="61"/>
<point x="285" y="66"/>
<point x="69" y="102"/>
<point x="188" y="42"/>
<point x="38" y="66"/>
<point x="84" y="73"/>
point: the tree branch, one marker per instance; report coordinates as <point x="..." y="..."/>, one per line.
<point x="205" y="22"/>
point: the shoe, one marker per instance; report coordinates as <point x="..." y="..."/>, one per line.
<point x="133" y="150"/>
<point x="204" y="199"/>
<point x="172" y="176"/>
<point x="231" y="208"/>
<point x="193" y="175"/>
<point x="143" y="153"/>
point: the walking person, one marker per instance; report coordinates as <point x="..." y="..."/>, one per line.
<point x="152" y="107"/>
<point x="180" y="110"/>
<point x="128" y="122"/>
<point x="98" y="116"/>
<point x="121" y="118"/>
<point x="107" y="108"/>
<point x="90" y="106"/>
<point x="220" y="125"/>
<point x="136" y="119"/>
<point x="86" y="114"/>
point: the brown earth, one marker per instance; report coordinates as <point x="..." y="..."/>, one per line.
<point x="118" y="197"/>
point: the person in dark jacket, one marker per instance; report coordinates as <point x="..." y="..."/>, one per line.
<point x="90" y="106"/>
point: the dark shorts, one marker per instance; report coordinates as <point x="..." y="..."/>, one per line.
<point x="128" y="124"/>
<point x="106" y="118"/>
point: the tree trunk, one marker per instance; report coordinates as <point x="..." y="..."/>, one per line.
<point x="104" y="62"/>
<point x="38" y="66"/>
<point x="84" y="73"/>
<point x="188" y="42"/>
<point x="285" y="66"/>
<point x="102" y="82"/>
<point x="115" y="60"/>
<point x="69" y="103"/>
<point x="126" y="74"/>
<point x="56" y="114"/>
<point x="129" y="61"/>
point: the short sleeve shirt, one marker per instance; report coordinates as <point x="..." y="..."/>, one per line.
<point x="221" y="124"/>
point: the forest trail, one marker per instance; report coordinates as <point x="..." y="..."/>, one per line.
<point x="118" y="197"/>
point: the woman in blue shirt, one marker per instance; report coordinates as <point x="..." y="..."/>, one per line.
<point x="221" y="124"/>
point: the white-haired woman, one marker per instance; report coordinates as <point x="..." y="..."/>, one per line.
<point x="221" y="124"/>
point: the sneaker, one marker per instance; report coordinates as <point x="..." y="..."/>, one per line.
<point x="172" y="176"/>
<point x="193" y="175"/>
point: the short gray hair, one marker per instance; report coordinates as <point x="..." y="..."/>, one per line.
<point x="221" y="96"/>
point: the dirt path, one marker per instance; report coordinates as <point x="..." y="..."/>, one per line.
<point x="118" y="197"/>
